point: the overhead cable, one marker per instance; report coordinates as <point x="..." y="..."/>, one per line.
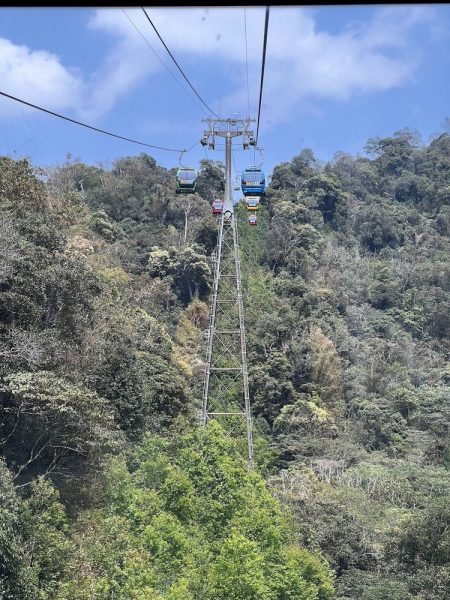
<point x="115" y="135"/>
<point x="266" y="26"/>
<point x="246" y="62"/>
<point x="177" y="81"/>
<point x="178" y="66"/>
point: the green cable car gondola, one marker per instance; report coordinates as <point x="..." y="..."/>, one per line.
<point x="186" y="180"/>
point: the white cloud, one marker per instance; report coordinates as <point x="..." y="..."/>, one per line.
<point x="393" y="25"/>
<point x="36" y="76"/>
<point x="304" y="64"/>
<point x="127" y="65"/>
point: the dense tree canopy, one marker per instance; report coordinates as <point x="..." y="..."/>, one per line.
<point x="108" y="489"/>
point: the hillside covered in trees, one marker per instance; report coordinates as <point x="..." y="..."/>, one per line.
<point x="108" y="487"/>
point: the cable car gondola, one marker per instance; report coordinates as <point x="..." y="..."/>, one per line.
<point x="186" y="180"/>
<point x="252" y="219"/>
<point x="253" y="181"/>
<point x="217" y="206"/>
<point x="252" y="202"/>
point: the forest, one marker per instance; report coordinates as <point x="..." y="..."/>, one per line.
<point x="110" y="489"/>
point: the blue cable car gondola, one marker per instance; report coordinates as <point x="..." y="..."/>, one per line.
<point x="253" y="181"/>
<point x="186" y="180"/>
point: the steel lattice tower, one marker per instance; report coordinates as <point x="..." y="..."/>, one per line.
<point x="225" y="391"/>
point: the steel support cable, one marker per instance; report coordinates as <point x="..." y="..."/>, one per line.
<point x="178" y="66"/>
<point x="246" y="62"/>
<point x="161" y="61"/>
<point x="266" y="26"/>
<point x="191" y="147"/>
<point x="115" y="135"/>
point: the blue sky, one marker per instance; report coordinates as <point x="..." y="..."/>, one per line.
<point x="335" y="76"/>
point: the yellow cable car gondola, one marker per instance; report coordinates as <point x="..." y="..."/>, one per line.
<point x="252" y="202"/>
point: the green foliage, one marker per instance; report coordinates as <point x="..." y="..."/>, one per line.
<point x="189" y="270"/>
<point x="369" y="587"/>
<point x="137" y="373"/>
<point x="394" y="154"/>
<point x="48" y="289"/>
<point x="323" y="193"/>
<point x="298" y="423"/>
<point x="16" y="579"/>
<point x="101" y="224"/>
<point x="425" y="539"/>
<point x="349" y="331"/>
<point x="238" y="571"/>
<point x="53" y="426"/>
<point x="211" y="180"/>
<point x="377" y="228"/>
<point x="105" y="275"/>
<point x="46" y="532"/>
<point x="196" y="524"/>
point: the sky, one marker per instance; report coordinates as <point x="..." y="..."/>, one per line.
<point x="334" y="77"/>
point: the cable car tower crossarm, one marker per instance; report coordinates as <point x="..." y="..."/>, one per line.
<point x="226" y="391"/>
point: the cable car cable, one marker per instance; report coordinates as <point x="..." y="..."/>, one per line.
<point x="161" y="61"/>
<point x="187" y="150"/>
<point x="246" y="62"/>
<point x="178" y="66"/>
<point x="191" y="147"/>
<point x="115" y="135"/>
<point x="266" y="26"/>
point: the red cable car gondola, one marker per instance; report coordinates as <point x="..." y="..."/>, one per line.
<point x="217" y="206"/>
